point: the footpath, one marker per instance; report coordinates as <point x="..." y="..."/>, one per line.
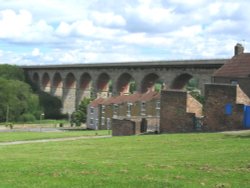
<point x="52" y="140"/>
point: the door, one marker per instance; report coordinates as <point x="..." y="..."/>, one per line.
<point x="246" y="120"/>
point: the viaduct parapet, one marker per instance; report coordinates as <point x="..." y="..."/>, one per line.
<point x="72" y="82"/>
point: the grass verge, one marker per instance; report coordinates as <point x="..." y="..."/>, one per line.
<point x="170" y="160"/>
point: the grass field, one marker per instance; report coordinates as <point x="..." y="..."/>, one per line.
<point x="16" y="136"/>
<point x="170" y="160"/>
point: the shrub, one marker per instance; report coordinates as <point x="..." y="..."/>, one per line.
<point x="27" y="118"/>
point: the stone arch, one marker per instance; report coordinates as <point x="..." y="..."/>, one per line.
<point x="181" y="80"/>
<point x="104" y="85"/>
<point x="57" y="80"/>
<point x="70" y="81"/>
<point x="46" y="85"/>
<point x="35" y="78"/>
<point x="85" y="87"/>
<point x="57" y="85"/>
<point x="85" y="81"/>
<point x="149" y="82"/>
<point x="125" y="83"/>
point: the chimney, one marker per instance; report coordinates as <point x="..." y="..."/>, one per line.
<point x="238" y="49"/>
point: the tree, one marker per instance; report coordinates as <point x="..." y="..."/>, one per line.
<point x="16" y="96"/>
<point x="80" y="115"/>
<point x="11" y="72"/>
<point x="192" y="87"/>
<point x="51" y="105"/>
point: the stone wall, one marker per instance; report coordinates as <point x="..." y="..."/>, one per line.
<point x="217" y="96"/>
<point x="174" y="116"/>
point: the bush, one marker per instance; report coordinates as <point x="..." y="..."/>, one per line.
<point x="27" y="118"/>
<point x="80" y="115"/>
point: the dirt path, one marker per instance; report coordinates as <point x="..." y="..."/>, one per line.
<point x="52" y="140"/>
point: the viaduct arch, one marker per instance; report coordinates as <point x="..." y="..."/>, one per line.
<point x="72" y="83"/>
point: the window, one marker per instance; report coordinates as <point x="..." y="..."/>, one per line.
<point x="158" y="108"/>
<point x="103" y="109"/>
<point x="91" y="121"/>
<point x="234" y="82"/>
<point x="115" y="110"/>
<point x="103" y="121"/>
<point x="158" y="104"/>
<point x="129" y="110"/>
<point x="143" y="108"/>
<point x="91" y="110"/>
<point x="228" y="109"/>
<point x="96" y="124"/>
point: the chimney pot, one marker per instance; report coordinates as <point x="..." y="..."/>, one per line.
<point x="238" y="49"/>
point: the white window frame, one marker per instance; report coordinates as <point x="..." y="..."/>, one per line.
<point x="103" y="109"/>
<point x="115" y="110"/>
<point x="91" y="121"/>
<point x="91" y="110"/>
<point x="102" y="120"/>
<point x="129" y="109"/>
<point x="143" y="108"/>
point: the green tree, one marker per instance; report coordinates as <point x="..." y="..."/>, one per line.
<point x="51" y="105"/>
<point x="192" y="87"/>
<point x="80" y="115"/>
<point x="12" y="72"/>
<point x="16" y="96"/>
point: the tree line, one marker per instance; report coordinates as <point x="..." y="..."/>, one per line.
<point x="22" y="101"/>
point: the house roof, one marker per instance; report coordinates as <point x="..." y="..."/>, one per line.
<point x="238" y="66"/>
<point x="150" y="96"/>
<point x="126" y="98"/>
<point x="96" y="102"/>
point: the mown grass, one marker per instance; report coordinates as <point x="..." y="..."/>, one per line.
<point x="16" y="136"/>
<point x="170" y="160"/>
<point x="43" y="122"/>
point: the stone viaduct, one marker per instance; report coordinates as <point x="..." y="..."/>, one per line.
<point x="72" y="82"/>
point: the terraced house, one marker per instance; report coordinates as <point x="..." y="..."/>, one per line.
<point x="135" y="107"/>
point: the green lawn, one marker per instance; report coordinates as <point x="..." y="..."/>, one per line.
<point x="16" y="136"/>
<point x="170" y="160"/>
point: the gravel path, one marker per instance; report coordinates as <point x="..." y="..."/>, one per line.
<point x="52" y="140"/>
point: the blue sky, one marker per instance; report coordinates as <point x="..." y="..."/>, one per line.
<point x="88" y="31"/>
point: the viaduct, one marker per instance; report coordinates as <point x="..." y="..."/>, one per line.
<point x="72" y="82"/>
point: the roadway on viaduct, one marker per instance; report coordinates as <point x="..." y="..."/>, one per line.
<point x="72" y="82"/>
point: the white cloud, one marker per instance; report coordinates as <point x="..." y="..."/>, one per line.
<point x="14" y="25"/>
<point x="36" y="52"/>
<point x="19" y="27"/>
<point x="73" y="31"/>
<point x="108" y="19"/>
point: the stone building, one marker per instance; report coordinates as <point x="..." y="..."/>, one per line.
<point x="133" y="107"/>
<point x="236" y="70"/>
<point x="93" y="111"/>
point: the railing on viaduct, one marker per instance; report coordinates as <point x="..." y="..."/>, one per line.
<point x="72" y="82"/>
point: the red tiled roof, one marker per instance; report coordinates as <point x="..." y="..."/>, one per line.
<point x="149" y="96"/>
<point x="96" y="102"/>
<point x="238" y="66"/>
<point x="126" y="98"/>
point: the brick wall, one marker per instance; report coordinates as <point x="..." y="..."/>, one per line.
<point x="216" y="97"/>
<point x="123" y="127"/>
<point x="174" y="116"/>
<point x="243" y="83"/>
